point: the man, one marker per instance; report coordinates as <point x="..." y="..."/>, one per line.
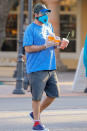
<point x="41" y="63"/>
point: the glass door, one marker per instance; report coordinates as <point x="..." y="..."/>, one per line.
<point x="69" y="22"/>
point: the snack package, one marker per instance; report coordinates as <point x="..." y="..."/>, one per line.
<point x="55" y="39"/>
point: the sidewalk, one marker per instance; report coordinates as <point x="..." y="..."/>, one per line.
<point x="67" y="113"/>
<point x="65" y="83"/>
<point x="58" y="120"/>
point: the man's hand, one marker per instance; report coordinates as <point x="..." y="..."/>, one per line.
<point x="51" y="41"/>
<point x="64" y="43"/>
<point x="49" y="44"/>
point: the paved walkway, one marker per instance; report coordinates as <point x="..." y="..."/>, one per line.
<point x="55" y="120"/>
<point x="65" y="82"/>
<point x="67" y="113"/>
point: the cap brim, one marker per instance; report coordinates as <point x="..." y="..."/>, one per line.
<point x="45" y="10"/>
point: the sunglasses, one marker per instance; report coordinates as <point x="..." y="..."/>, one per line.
<point x="44" y="13"/>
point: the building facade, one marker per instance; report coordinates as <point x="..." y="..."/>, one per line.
<point x="67" y="16"/>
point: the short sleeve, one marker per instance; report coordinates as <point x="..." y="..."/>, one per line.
<point x="28" y="37"/>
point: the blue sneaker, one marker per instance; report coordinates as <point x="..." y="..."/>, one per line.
<point x="38" y="127"/>
<point x="31" y="115"/>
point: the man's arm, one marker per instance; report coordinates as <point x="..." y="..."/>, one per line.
<point x="34" y="48"/>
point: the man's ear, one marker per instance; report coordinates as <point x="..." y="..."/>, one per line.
<point x="36" y="18"/>
<point x="36" y="15"/>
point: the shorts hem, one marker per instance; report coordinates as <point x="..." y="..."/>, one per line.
<point x="53" y="96"/>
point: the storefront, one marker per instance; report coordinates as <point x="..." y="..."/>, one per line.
<point x="8" y="53"/>
<point x="70" y="21"/>
<point x="78" y="26"/>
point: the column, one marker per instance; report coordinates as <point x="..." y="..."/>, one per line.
<point x="55" y="20"/>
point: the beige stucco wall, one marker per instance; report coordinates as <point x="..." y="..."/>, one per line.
<point x="83" y="21"/>
<point x="71" y="63"/>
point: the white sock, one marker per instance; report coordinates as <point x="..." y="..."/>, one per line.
<point x="36" y="120"/>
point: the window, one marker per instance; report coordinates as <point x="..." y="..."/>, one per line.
<point x="25" y="5"/>
<point x="11" y="34"/>
<point x="10" y="43"/>
<point x="68" y="22"/>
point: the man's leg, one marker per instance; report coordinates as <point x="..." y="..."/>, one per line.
<point x="36" y="109"/>
<point x="52" y="91"/>
<point x="45" y="103"/>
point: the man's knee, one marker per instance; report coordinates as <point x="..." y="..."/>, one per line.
<point x="36" y="98"/>
<point x="51" y="98"/>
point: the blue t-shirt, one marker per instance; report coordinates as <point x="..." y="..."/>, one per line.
<point x="44" y="59"/>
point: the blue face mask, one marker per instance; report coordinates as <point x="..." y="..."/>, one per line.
<point x="43" y="19"/>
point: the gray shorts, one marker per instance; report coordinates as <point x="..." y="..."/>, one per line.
<point x="43" y="81"/>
